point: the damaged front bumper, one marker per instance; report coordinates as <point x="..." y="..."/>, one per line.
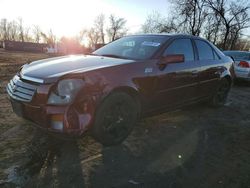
<point x="56" y="119"/>
<point x="29" y="100"/>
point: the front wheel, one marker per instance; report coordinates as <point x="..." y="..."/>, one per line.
<point x="115" y="118"/>
<point x="220" y="97"/>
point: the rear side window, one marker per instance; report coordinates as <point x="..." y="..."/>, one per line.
<point x="205" y="51"/>
<point x="216" y="57"/>
<point x="181" y="46"/>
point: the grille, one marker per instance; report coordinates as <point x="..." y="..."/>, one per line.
<point x="19" y="90"/>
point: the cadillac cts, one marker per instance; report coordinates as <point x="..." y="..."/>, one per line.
<point x="105" y="92"/>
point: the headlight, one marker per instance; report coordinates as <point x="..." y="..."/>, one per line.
<point x="66" y="91"/>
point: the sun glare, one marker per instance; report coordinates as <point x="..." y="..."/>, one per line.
<point x="71" y="16"/>
<point x="68" y="18"/>
<point x="65" y="18"/>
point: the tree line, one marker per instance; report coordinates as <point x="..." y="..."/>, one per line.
<point x="99" y="32"/>
<point x="220" y="21"/>
<point x="15" y="30"/>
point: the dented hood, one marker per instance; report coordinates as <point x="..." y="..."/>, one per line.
<point x="49" y="70"/>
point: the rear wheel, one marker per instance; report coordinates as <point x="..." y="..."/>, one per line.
<point x="220" y="97"/>
<point x="115" y="119"/>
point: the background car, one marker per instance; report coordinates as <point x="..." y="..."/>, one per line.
<point x="241" y="63"/>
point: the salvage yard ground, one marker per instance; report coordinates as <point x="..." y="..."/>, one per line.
<point x="198" y="146"/>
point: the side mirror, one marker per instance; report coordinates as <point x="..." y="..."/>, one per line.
<point x="174" y="58"/>
<point x="168" y="59"/>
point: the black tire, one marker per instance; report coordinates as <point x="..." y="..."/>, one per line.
<point x="220" y="97"/>
<point x="115" y="119"/>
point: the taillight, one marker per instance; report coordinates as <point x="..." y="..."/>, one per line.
<point x="244" y="64"/>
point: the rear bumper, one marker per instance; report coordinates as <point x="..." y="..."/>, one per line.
<point x="242" y="73"/>
<point x="242" y="77"/>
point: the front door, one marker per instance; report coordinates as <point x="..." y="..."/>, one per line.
<point x="178" y="82"/>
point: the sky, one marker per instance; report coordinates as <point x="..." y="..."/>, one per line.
<point x="68" y="17"/>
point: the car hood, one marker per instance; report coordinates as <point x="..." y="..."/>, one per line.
<point x="49" y="70"/>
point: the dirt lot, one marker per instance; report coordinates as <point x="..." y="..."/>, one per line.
<point x="194" y="147"/>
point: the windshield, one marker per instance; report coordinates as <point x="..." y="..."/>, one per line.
<point x="133" y="47"/>
<point x="239" y="55"/>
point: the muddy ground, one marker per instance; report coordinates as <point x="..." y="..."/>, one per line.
<point x="198" y="146"/>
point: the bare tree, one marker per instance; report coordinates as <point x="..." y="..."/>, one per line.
<point x="153" y="23"/>
<point x="13" y="30"/>
<point x="99" y="26"/>
<point x="81" y="36"/>
<point x="156" y="23"/>
<point x="3" y="29"/>
<point x="26" y="35"/>
<point x="213" y="28"/>
<point x="8" y="30"/>
<point x="93" y="37"/>
<point x="49" y="38"/>
<point x="37" y="33"/>
<point x="220" y="21"/>
<point x="232" y="16"/>
<point x="242" y="21"/>
<point x="44" y="37"/>
<point x="190" y="15"/>
<point x="117" y="27"/>
<point x="20" y="29"/>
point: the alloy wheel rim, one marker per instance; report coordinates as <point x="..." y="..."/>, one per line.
<point x="116" y="119"/>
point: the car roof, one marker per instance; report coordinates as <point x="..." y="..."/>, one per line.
<point x="179" y="35"/>
<point x="168" y="35"/>
<point x="236" y="51"/>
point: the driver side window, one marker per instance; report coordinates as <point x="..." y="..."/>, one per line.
<point x="181" y="46"/>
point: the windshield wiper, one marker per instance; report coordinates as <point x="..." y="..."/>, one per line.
<point x="114" y="56"/>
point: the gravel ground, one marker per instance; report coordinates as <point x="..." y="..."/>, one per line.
<point x="198" y="146"/>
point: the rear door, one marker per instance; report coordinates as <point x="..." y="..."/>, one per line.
<point x="211" y="68"/>
<point x="178" y="82"/>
